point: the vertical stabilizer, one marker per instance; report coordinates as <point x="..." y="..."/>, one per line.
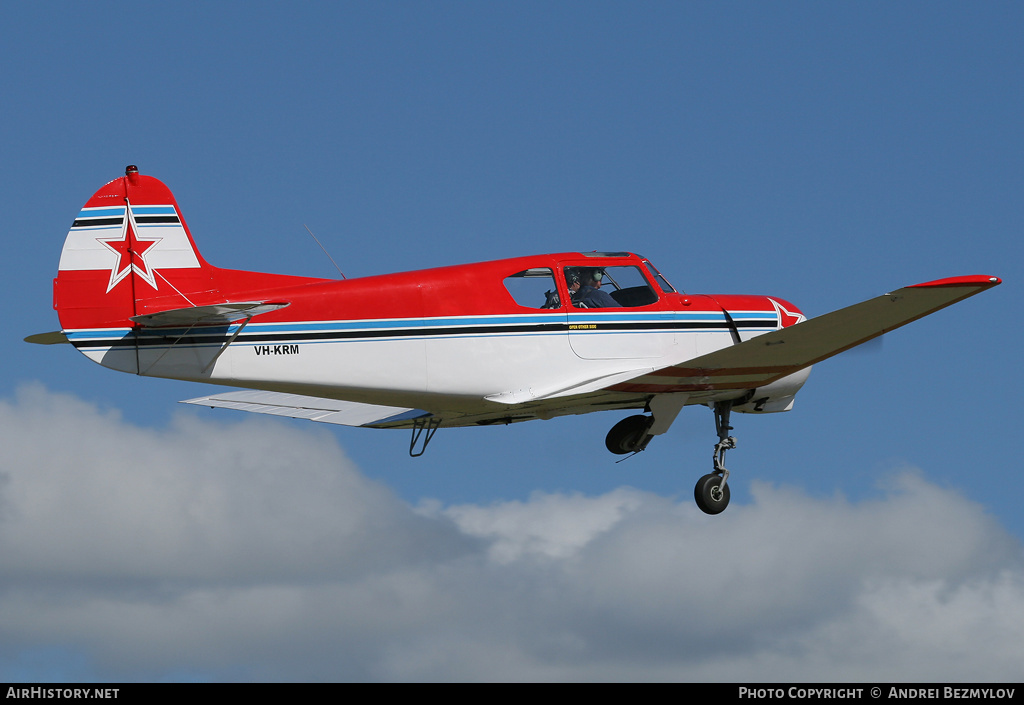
<point x="129" y="252"/>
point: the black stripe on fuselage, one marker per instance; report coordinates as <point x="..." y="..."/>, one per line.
<point x="151" y="338"/>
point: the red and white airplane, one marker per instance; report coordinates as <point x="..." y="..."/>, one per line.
<point x="472" y="344"/>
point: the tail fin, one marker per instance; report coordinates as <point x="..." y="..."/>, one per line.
<point x="129" y="252"/>
<point x="129" y="265"/>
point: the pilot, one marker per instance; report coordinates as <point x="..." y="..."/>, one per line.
<point x="585" y="286"/>
<point x="572" y="280"/>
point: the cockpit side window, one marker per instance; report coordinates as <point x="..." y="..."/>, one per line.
<point x="534" y="288"/>
<point x="609" y="287"/>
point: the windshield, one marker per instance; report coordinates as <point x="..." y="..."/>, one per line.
<point x="658" y="277"/>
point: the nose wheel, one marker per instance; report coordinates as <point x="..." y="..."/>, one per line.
<point x="711" y="492"/>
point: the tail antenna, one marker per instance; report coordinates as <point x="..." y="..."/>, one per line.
<point x="325" y="251"/>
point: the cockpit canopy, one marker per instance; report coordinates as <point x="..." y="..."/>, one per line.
<point x="624" y="282"/>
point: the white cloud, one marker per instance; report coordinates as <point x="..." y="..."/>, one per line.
<point x="251" y="550"/>
<point x="548" y="525"/>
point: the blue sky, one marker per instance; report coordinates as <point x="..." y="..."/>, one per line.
<point x="823" y="153"/>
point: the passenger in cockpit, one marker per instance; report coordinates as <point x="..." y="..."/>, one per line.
<point x="585" y="286"/>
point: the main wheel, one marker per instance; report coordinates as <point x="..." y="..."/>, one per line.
<point x="626" y="434"/>
<point x="711" y="497"/>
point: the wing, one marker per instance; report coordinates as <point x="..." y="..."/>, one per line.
<point x="772" y="356"/>
<point x="297" y="406"/>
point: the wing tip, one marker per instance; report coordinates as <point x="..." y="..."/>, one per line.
<point x="970" y="280"/>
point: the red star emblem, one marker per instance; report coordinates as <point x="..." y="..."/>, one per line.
<point x="785" y="317"/>
<point x="131" y="250"/>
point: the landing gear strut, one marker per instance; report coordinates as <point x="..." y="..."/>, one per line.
<point x="712" y="492"/>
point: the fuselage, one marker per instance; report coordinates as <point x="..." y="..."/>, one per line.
<point x="460" y="339"/>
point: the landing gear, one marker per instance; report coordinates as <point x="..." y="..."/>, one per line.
<point x="632" y="434"/>
<point x="629" y="435"/>
<point x="711" y="492"/>
<point x="428" y="423"/>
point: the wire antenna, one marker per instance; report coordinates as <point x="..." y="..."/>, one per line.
<point x="325" y="251"/>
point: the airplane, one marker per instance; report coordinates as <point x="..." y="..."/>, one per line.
<point x="495" y="342"/>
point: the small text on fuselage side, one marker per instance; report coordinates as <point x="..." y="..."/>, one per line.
<point x="287" y="349"/>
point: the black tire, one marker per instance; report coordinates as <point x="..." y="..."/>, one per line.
<point x="707" y="496"/>
<point x="626" y="434"/>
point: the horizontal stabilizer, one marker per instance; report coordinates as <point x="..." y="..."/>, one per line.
<point x="217" y="314"/>
<point x="772" y="356"/>
<point x="52" y="338"/>
<point x="297" y="406"/>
